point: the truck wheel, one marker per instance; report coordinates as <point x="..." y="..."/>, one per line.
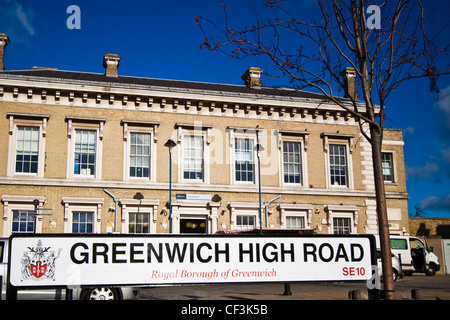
<point x="101" y="293"/>
<point x="394" y="274"/>
<point x="430" y="270"/>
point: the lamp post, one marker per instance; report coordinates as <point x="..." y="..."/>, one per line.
<point x="259" y="148"/>
<point x="170" y="144"/>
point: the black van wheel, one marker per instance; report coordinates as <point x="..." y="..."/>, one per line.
<point x="394" y="274"/>
<point x="430" y="269"/>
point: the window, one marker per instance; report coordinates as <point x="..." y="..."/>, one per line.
<point x="85" y="147"/>
<point x="341" y="225"/>
<point x="338" y="165"/>
<point x="139" y="150"/>
<point x="244" y="160"/>
<point x="85" y="152"/>
<point x="193" y="225"/>
<point x="399" y="244"/>
<point x="26" y="146"/>
<point x="23" y="221"/>
<point x="27" y="149"/>
<point x="139" y="223"/>
<point x="140" y="155"/>
<point x="292" y="162"/>
<point x="19" y="214"/>
<point x="245" y="222"/>
<point x="83" y="222"/>
<point x="295" y="215"/>
<point x="295" y="222"/>
<point x="387" y="163"/>
<point x="193" y="157"/>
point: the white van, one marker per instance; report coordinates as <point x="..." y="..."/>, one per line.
<point x="414" y="254"/>
<point x="100" y="293"/>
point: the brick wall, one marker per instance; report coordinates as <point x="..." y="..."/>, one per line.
<point x="434" y="230"/>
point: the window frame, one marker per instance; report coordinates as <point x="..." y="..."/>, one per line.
<point x="139" y="127"/>
<point x="197" y="129"/>
<point x="342" y="211"/>
<point x="140" y="223"/>
<point x="338" y="226"/>
<point x="86" y="223"/>
<point x="302" y="218"/>
<point x="392" y="168"/>
<point x="75" y="124"/>
<point x="302" y="138"/>
<point x="30" y="218"/>
<point x="79" y="164"/>
<point x="138" y="206"/>
<point x="13" y="203"/>
<point x="185" y="160"/>
<point x="295" y="210"/>
<point x="339" y="139"/>
<point x="80" y="204"/>
<point x="243" y="209"/>
<point x="252" y="153"/>
<point x="299" y="164"/>
<point x="333" y="167"/>
<point x="245" y="226"/>
<point x="142" y="155"/>
<point x="17" y="120"/>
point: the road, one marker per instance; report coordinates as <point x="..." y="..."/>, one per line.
<point x="431" y="288"/>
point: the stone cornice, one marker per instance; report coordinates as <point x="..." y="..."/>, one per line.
<point x="81" y="93"/>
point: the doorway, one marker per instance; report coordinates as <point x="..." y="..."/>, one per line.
<point x="193" y="225"/>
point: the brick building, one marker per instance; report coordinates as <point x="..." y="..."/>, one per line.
<point x="66" y="137"/>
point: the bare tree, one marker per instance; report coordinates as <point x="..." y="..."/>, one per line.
<point x="383" y="44"/>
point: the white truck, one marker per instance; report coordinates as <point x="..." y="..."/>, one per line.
<point x="100" y="293"/>
<point x="414" y="254"/>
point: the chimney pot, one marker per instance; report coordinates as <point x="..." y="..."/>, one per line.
<point x="251" y="77"/>
<point x="111" y="64"/>
<point x="349" y="75"/>
<point x="4" y="41"/>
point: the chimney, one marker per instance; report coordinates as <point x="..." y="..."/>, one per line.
<point x="251" y="78"/>
<point x="4" y="41"/>
<point x="111" y="64"/>
<point x="349" y="75"/>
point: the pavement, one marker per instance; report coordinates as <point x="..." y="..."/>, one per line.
<point x="419" y="288"/>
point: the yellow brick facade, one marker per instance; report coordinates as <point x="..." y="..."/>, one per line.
<point x="59" y="104"/>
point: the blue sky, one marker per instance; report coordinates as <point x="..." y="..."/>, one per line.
<point x="160" y="39"/>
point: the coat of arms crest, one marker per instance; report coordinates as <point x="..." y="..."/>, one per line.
<point x="39" y="262"/>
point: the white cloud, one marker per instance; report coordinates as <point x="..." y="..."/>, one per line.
<point x="443" y="105"/>
<point x="422" y="172"/>
<point x="444" y="101"/>
<point x="21" y="15"/>
<point x="16" y="20"/>
<point x="446" y="155"/>
<point x="435" y="203"/>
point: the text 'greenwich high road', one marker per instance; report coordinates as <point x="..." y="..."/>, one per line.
<point x="204" y="252"/>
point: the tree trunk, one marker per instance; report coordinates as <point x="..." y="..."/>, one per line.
<point x="383" y="223"/>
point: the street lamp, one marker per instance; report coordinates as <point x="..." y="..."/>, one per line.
<point x="115" y="208"/>
<point x="170" y="144"/>
<point x="258" y="149"/>
<point x="267" y="209"/>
